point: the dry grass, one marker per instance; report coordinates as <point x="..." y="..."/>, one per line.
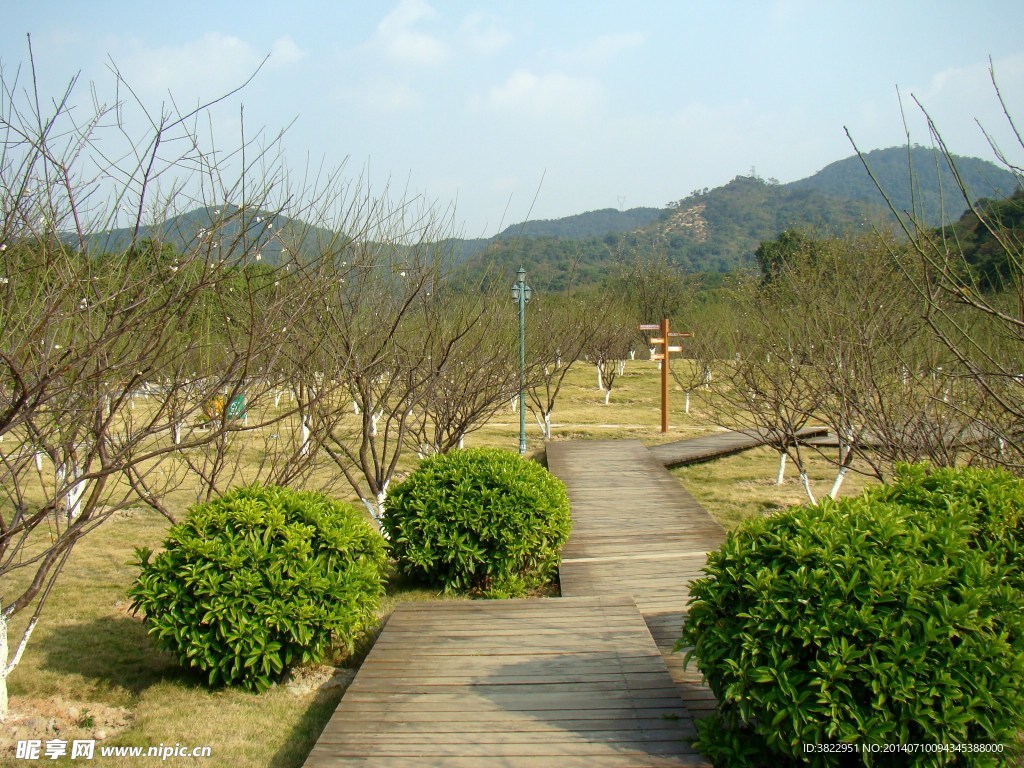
<point x="737" y="487"/>
<point x="91" y="666"/>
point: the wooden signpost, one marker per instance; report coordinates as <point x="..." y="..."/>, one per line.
<point x="664" y="356"/>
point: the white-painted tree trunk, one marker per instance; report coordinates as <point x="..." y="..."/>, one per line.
<point x="4" y="702"/>
<point x="304" y="437"/>
<point x="176" y="433"/>
<point x="838" y="483"/>
<point x="513" y="404"/>
<point x="377" y="505"/>
<point x="807" y="487"/>
<point x="544" y="422"/>
<point x="632" y="354"/>
<point x="277" y="398"/>
<point x="781" y="476"/>
<point x="6" y="667"/>
<point x="607" y="396"/>
<point x="620" y="366"/>
<point x="686" y="403"/>
<point x="462" y="442"/>
<point x="600" y="379"/>
<point x="39" y="461"/>
<point x="76" y="489"/>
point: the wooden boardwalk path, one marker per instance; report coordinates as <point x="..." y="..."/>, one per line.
<point x="636" y="531"/>
<point x="572" y="683"/>
<point x="587" y="680"/>
<point x="697" y="449"/>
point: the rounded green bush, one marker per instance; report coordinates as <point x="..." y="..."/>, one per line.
<point x="480" y="520"/>
<point x="260" y="579"/>
<point x="892" y="618"/>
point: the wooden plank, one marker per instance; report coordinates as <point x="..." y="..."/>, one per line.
<point x="637" y="530"/>
<point x="572" y="681"/>
<point x="698" y="449"/>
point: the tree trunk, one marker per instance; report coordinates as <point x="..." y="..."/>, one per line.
<point x="544" y="422"/>
<point x="4" y="671"/>
<point x="376" y="506"/>
<point x="782" y="468"/>
<point x="807" y="487"/>
<point x="6" y="667"/>
<point x="607" y="396"/>
<point x="600" y="379"/>
<point x="686" y="403"/>
<point x="840" y="476"/>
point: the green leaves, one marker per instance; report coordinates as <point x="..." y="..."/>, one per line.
<point x="893" y="617"/>
<point x="479" y="520"/>
<point x="260" y="579"/>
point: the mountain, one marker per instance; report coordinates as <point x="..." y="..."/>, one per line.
<point x="226" y="229"/>
<point x="917" y="180"/>
<point x="718" y="230"/>
<point x="712" y="230"/>
<point x="584" y="225"/>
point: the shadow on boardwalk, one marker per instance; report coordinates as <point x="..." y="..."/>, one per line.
<point x="572" y="682"/>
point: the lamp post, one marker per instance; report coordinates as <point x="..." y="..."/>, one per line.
<point x="521" y="294"/>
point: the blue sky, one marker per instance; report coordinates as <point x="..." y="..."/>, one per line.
<point x="583" y="105"/>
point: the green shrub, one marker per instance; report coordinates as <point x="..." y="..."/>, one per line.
<point x="892" y="618"/>
<point x="479" y="519"/>
<point x="261" y="579"/>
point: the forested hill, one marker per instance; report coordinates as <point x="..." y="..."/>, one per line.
<point x="584" y="225"/>
<point x="712" y="230"/>
<point x="917" y="181"/>
<point x="718" y="230"/>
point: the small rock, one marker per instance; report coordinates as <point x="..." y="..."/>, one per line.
<point x="52" y="726"/>
<point x="74" y="712"/>
<point x="100" y="734"/>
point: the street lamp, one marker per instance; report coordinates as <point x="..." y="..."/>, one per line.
<point x="521" y="294"/>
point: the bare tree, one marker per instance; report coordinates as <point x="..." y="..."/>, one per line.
<point x="608" y="345"/>
<point x="981" y="326"/>
<point x="765" y="384"/>
<point x="476" y="376"/>
<point x="394" y="337"/>
<point x="560" y="330"/>
<point x="111" y="354"/>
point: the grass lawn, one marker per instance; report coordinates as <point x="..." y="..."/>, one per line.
<point x="90" y="670"/>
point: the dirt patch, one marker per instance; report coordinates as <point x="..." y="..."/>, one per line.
<point x="58" y="718"/>
<point x="307" y="680"/>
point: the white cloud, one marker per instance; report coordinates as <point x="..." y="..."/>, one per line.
<point x="382" y="94"/>
<point x="602" y="49"/>
<point x="483" y="35"/>
<point x="547" y="94"/>
<point x="213" y="63"/>
<point x="399" y="36"/>
<point x="284" y="53"/>
<point x="958" y="99"/>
